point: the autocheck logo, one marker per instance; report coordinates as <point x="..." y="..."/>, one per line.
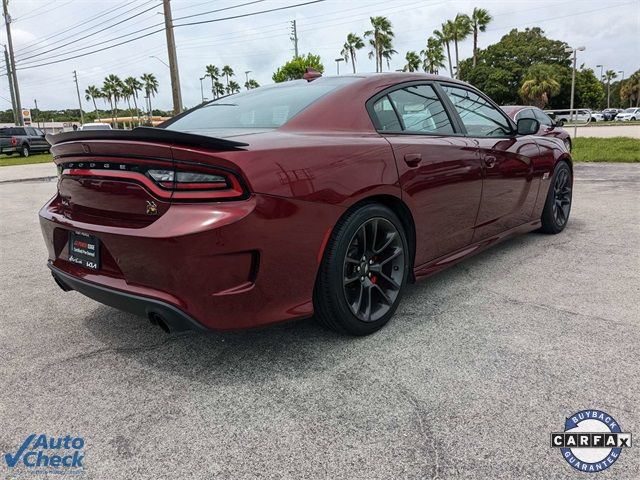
<point x="48" y="454"/>
<point x="592" y="440"/>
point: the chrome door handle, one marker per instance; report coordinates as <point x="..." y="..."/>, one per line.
<point x="490" y="161"/>
<point x="413" y="159"/>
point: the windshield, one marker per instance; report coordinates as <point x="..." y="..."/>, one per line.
<point x="96" y="127"/>
<point x="266" y="107"/>
<point x="630" y="110"/>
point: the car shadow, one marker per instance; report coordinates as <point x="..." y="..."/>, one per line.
<point x="293" y="349"/>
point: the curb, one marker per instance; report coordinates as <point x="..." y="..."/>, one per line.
<point x="23" y="180"/>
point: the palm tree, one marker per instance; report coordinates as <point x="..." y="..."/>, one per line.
<point x="386" y="51"/>
<point x="126" y="94"/>
<point x="218" y="89"/>
<point x="460" y="29"/>
<point x="353" y="43"/>
<point x="150" y="86"/>
<point x="91" y="93"/>
<point x="480" y="18"/>
<point x="134" y="86"/>
<point x="233" y="87"/>
<point x="227" y="71"/>
<point x="444" y="37"/>
<point x="381" y="36"/>
<point x="432" y="56"/>
<point x="251" y="84"/>
<point x="213" y="73"/>
<point x="608" y="76"/>
<point x="540" y="84"/>
<point x="112" y="89"/>
<point x="413" y="62"/>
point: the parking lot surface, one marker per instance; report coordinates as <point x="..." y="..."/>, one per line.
<point x="480" y="364"/>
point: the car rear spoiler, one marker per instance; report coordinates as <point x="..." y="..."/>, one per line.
<point x="151" y="134"/>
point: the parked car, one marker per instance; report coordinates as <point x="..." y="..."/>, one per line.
<point x="548" y="127"/>
<point x="95" y="126"/>
<point x="22" y="140"/>
<point x="597" y="117"/>
<point x="564" y="116"/>
<point x="322" y="196"/>
<point x="630" y="114"/>
<point x="610" y="113"/>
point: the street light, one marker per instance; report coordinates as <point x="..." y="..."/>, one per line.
<point x="601" y="74"/>
<point x="160" y="60"/>
<point x="573" y="84"/>
<point x="338" y="60"/>
<point x="201" y="89"/>
<point x="246" y="83"/>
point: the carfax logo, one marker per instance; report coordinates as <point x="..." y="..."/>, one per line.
<point x="48" y="454"/>
<point x="592" y="440"/>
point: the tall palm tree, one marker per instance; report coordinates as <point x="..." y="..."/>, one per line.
<point x="444" y="37"/>
<point x="134" y="85"/>
<point x="480" y="18"/>
<point x="353" y="43"/>
<point x="413" y="62"/>
<point x="386" y="51"/>
<point x="218" y="89"/>
<point x="127" y="93"/>
<point x="227" y="71"/>
<point x="251" y="84"/>
<point x="212" y="72"/>
<point x="112" y="89"/>
<point x="150" y="86"/>
<point x="233" y="87"/>
<point x="608" y="76"/>
<point x="381" y="36"/>
<point x="91" y="93"/>
<point x="432" y="56"/>
<point x="460" y="29"/>
<point x="540" y="84"/>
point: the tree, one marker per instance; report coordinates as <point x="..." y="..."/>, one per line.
<point x="218" y="88"/>
<point x="112" y="89"/>
<point x="295" y="68"/>
<point x="432" y="56"/>
<point x="251" y="83"/>
<point x="91" y="93"/>
<point x="608" y="76"/>
<point x="227" y="71"/>
<point x="413" y="62"/>
<point x="460" y="30"/>
<point x="353" y="43"/>
<point x="540" y="84"/>
<point x="501" y="67"/>
<point x="134" y="86"/>
<point x="444" y="37"/>
<point x="233" y="87"/>
<point x="381" y="40"/>
<point x="589" y="91"/>
<point x="212" y="72"/>
<point x="150" y="85"/>
<point x="480" y="18"/>
<point x="630" y="89"/>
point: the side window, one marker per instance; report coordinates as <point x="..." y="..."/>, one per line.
<point x="386" y="116"/>
<point x="480" y="118"/>
<point x="31" y="131"/>
<point x="420" y="110"/>
<point x="526" y="113"/>
<point x="543" y="118"/>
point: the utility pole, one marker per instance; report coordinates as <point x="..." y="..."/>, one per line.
<point x="294" y="38"/>
<point x="35" y="101"/>
<point x="12" y="62"/>
<point x="173" y="58"/>
<point x="574" y="51"/>
<point x="13" y="96"/>
<point x="246" y="83"/>
<point x="75" y="78"/>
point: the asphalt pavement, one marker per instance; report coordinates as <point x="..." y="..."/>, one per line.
<point x="480" y="364"/>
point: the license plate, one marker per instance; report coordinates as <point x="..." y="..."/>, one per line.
<point x="84" y="250"/>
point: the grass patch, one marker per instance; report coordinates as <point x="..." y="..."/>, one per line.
<point x="7" y="160"/>
<point x="616" y="149"/>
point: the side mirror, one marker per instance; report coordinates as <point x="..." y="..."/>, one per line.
<point x="528" y="126"/>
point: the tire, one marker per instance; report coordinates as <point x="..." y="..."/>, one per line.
<point x="24" y="150"/>
<point x="557" y="206"/>
<point x="561" y="122"/>
<point x="363" y="271"/>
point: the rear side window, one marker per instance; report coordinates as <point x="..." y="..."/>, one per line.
<point x="543" y="118"/>
<point x="480" y="118"/>
<point x="418" y="108"/>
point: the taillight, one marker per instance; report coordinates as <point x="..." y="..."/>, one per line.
<point x="191" y="184"/>
<point x="14" y="141"/>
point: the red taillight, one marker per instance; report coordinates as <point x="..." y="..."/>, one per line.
<point x="14" y="141"/>
<point x="203" y="183"/>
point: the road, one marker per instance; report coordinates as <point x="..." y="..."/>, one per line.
<point x="481" y="363"/>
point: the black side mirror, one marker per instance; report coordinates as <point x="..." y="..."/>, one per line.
<point x="528" y="126"/>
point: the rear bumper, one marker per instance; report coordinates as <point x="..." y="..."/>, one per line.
<point x="161" y="313"/>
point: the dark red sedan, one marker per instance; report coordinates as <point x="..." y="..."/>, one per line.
<point x="548" y="126"/>
<point x="313" y="197"/>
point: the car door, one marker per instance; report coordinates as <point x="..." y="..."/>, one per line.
<point x="439" y="169"/>
<point x="34" y="141"/>
<point x="509" y="191"/>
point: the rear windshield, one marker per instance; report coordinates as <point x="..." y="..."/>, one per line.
<point x="266" y="107"/>
<point x="12" y="131"/>
<point x="96" y="127"/>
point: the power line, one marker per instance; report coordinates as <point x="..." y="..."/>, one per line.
<point x="46" y="10"/>
<point x="219" y="10"/>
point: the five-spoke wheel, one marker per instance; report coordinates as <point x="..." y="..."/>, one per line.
<point x="558" y="204"/>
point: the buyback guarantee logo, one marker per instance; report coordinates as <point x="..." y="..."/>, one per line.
<point x="46" y="454"/>
<point x="592" y="440"/>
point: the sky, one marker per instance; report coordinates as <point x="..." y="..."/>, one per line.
<point x="609" y="29"/>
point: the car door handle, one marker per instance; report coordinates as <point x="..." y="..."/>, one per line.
<point x="413" y="159"/>
<point x="490" y="161"/>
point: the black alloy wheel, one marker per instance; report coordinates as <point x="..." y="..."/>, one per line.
<point x="557" y="207"/>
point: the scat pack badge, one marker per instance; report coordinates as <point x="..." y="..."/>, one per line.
<point x="592" y="440"/>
